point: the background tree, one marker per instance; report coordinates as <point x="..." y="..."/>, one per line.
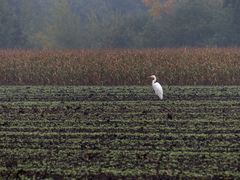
<point x="11" y="31"/>
<point x="119" y="24"/>
<point x="234" y="10"/>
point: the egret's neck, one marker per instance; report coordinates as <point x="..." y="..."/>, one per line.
<point x="154" y="80"/>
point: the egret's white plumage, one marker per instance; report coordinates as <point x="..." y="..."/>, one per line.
<point x="157" y="87"/>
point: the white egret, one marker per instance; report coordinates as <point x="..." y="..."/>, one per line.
<point x="157" y="87"/>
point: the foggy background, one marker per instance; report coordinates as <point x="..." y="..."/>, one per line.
<point x="68" y="24"/>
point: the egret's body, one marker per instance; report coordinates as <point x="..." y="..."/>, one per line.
<point x="157" y="87"/>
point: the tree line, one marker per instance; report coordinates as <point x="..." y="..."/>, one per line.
<point x="72" y="24"/>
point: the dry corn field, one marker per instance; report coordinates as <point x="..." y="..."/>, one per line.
<point x="201" y="66"/>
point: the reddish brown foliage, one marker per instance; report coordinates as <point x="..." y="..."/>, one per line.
<point x="157" y="7"/>
<point x="120" y="67"/>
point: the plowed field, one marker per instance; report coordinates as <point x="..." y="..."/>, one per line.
<point x="119" y="132"/>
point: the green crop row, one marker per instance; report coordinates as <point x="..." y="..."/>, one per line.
<point x="119" y="132"/>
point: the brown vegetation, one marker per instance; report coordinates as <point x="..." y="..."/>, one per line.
<point x="195" y="66"/>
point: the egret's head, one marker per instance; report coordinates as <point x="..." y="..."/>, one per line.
<point x="153" y="76"/>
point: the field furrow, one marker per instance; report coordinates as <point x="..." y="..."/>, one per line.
<point x="119" y="132"/>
